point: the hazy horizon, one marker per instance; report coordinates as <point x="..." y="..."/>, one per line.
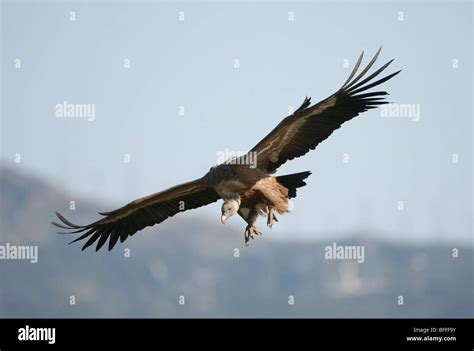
<point x="168" y="92"/>
<point x="105" y="102"/>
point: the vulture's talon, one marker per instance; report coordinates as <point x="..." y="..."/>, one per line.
<point x="271" y="219"/>
<point x="250" y="231"/>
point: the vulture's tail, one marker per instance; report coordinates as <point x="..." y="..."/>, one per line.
<point x="293" y="181"/>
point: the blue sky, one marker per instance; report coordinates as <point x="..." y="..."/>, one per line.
<point x="191" y="63"/>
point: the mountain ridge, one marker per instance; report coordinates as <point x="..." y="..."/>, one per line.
<point x="208" y="266"/>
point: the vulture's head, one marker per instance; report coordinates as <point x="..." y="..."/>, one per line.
<point x="229" y="208"/>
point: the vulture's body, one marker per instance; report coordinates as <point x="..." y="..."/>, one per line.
<point x="248" y="189"/>
<point x="258" y="193"/>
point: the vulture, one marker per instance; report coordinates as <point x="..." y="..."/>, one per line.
<point x="250" y="190"/>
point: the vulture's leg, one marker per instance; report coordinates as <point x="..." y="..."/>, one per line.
<point x="271" y="219"/>
<point x="252" y="228"/>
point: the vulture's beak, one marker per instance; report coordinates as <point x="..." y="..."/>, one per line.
<point x="223" y="218"/>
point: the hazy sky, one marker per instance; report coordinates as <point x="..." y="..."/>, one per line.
<point x="235" y="69"/>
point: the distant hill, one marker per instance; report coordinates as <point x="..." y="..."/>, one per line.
<point x="193" y="261"/>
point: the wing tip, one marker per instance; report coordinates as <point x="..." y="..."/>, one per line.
<point x="351" y="81"/>
<point x="67" y="222"/>
<point x="55" y="224"/>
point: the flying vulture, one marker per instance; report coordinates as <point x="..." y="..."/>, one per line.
<point x="247" y="189"/>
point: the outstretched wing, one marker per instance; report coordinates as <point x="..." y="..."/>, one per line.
<point x="309" y="125"/>
<point x="141" y="213"/>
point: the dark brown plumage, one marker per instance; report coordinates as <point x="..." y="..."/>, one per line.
<point x="141" y="213"/>
<point x="246" y="190"/>
<point x="310" y="125"/>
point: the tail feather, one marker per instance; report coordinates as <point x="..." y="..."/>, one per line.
<point x="293" y="181"/>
